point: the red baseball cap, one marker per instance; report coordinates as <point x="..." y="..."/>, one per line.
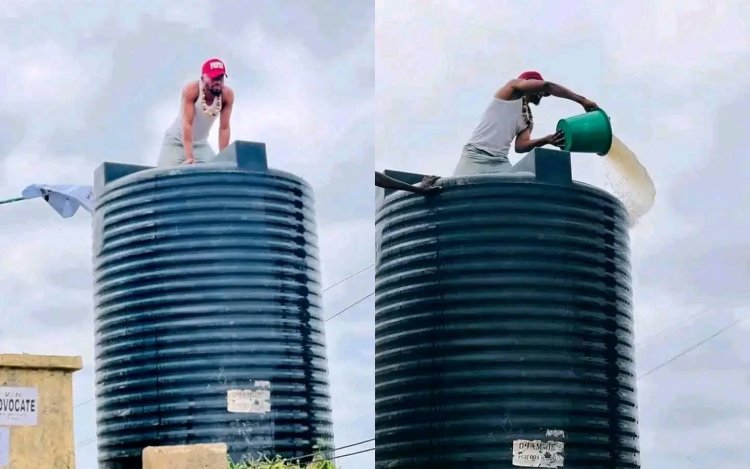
<point x="531" y="75"/>
<point x="214" y="68"/>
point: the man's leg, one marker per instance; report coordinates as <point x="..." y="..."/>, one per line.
<point x="475" y="161"/>
<point x="172" y="153"/>
<point x="203" y="153"/>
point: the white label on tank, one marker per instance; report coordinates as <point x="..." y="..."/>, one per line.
<point x="19" y="407"/>
<point x="256" y="400"/>
<point x="537" y="453"/>
<point x="4" y="446"/>
<point x="556" y="434"/>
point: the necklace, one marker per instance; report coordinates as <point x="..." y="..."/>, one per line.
<point x="526" y="111"/>
<point x="214" y="108"/>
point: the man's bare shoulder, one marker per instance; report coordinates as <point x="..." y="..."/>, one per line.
<point x="508" y="91"/>
<point x="227" y="94"/>
<point x="191" y="91"/>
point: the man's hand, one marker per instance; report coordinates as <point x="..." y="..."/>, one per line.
<point x="189" y="161"/>
<point x="588" y="105"/>
<point x="557" y="139"/>
<point x="427" y="186"/>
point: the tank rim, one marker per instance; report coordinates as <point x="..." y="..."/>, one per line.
<point x="152" y="173"/>
<point x="508" y="178"/>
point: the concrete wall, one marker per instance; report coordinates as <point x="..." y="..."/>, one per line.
<point x="213" y="456"/>
<point x="36" y="411"/>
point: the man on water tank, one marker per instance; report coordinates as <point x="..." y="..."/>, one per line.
<point x="508" y="117"/>
<point x="186" y="140"/>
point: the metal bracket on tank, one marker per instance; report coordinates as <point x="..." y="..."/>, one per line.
<point x="549" y="166"/>
<point x="247" y="155"/>
<point x="409" y="178"/>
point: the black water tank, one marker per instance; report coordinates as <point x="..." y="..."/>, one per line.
<point x="504" y="326"/>
<point x="208" y="310"/>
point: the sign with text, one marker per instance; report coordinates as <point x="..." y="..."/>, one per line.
<point x="256" y="400"/>
<point x="538" y="453"/>
<point x="19" y="407"/>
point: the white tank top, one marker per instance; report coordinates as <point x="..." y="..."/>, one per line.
<point x="202" y="122"/>
<point x="501" y="122"/>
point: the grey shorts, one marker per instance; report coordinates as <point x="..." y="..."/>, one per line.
<point x="173" y="153"/>
<point x="477" y="161"/>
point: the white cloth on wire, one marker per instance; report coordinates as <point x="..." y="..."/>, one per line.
<point x="65" y="199"/>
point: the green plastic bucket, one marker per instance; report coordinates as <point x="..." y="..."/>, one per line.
<point x="587" y="133"/>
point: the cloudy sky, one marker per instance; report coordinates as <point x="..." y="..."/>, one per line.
<point x="96" y="81"/>
<point x="673" y="76"/>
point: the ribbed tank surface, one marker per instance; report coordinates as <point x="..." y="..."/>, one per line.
<point x="208" y="313"/>
<point x="504" y="328"/>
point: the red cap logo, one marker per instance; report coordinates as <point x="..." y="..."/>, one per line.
<point x="531" y="75"/>
<point x="214" y="68"/>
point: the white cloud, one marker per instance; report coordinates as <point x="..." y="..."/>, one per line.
<point x="34" y="163"/>
<point x="15" y="9"/>
<point x="196" y="13"/>
<point x="50" y="75"/>
<point x="678" y="42"/>
<point x="338" y="240"/>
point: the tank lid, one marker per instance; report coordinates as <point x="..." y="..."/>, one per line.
<point x="246" y="155"/>
<point x="250" y="156"/>
<point x="541" y="164"/>
<point x="548" y="166"/>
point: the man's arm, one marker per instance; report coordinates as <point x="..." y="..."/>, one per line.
<point x="386" y="182"/>
<point x="524" y="142"/>
<point x="226" y="114"/>
<point x="520" y="87"/>
<point x="188" y="114"/>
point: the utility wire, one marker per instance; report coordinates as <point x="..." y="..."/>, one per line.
<point x="352" y="454"/>
<point x="347" y="278"/>
<point x="7" y="201"/>
<point x="683" y="323"/>
<point x="84" y="402"/>
<point x="690" y="349"/>
<point x="350" y="306"/>
<point x="317" y="453"/>
<point x="86" y="442"/>
<point x="355" y="444"/>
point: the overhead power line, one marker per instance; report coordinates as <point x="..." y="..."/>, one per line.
<point x="691" y="348"/>
<point x="347" y="278"/>
<point x="685" y="321"/>
<point x="350" y="306"/>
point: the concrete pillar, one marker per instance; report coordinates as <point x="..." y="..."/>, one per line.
<point x="36" y="411"/>
<point x="213" y="456"/>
